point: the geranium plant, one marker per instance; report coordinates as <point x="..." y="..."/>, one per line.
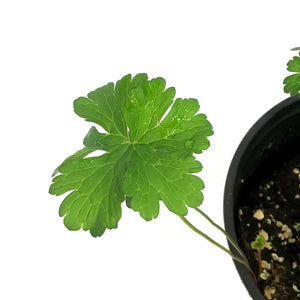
<point x="148" y="143"/>
<point x="148" y="157"/>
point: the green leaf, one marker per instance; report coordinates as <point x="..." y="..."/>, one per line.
<point x="78" y="155"/>
<point x="147" y="155"/>
<point x="154" y="176"/>
<point x="292" y="82"/>
<point x="259" y="243"/>
<point x="97" y="190"/>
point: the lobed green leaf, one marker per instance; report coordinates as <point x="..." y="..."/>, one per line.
<point x="259" y="243"/>
<point x="147" y="158"/>
<point x="292" y="82"/>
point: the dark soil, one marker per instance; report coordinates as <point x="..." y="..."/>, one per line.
<point x="271" y="207"/>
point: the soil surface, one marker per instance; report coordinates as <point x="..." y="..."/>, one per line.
<point x="271" y="208"/>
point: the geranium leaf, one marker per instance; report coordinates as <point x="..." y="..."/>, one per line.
<point x="292" y="82"/>
<point x="147" y="158"/>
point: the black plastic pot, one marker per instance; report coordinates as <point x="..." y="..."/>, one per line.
<point x="274" y="138"/>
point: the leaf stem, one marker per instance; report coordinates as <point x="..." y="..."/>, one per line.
<point x="229" y="238"/>
<point x="210" y="239"/>
<point x="236" y="258"/>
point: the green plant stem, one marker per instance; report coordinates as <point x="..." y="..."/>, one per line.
<point x="236" y="258"/>
<point x="211" y="240"/>
<point x="229" y="238"/>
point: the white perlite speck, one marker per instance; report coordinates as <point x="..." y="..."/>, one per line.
<point x="277" y="258"/>
<point x="269" y="291"/>
<point x="264" y="234"/>
<point x="266" y="265"/>
<point x="259" y="214"/>
<point x="295" y="288"/>
<point x="297" y="226"/>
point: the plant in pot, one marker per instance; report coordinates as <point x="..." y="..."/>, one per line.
<point x="148" y="145"/>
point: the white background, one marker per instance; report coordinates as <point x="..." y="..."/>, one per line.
<point x="230" y="55"/>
